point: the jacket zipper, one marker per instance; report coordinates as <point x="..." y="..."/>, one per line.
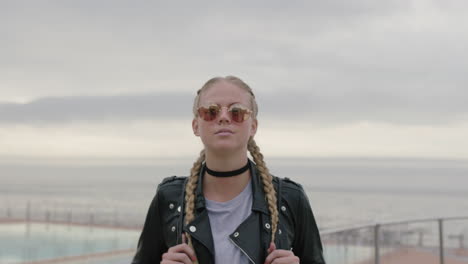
<point x="250" y="259"/>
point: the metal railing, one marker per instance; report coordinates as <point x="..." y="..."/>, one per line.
<point x="38" y="233"/>
<point x="438" y="240"/>
<point x="82" y="214"/>
<point x="442" y="240"/>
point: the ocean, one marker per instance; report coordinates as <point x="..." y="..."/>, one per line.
<point x="342" y="191"/>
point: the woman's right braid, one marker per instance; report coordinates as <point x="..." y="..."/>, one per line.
<point x="190" y="192"/>
<point x="190" y="188"/>
<point x="268" y="188"/>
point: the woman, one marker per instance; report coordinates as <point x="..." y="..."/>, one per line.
<point x="230" y="209"/>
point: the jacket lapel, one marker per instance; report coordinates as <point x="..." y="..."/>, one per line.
<point x="202" y="238"/>
<point x="252" y="237"/>
<point x="248" y="238"/>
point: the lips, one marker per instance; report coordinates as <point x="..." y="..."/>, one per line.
<point x="224" y="131"/>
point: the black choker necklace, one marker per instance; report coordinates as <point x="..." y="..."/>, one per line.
<point x="227" y="173"/>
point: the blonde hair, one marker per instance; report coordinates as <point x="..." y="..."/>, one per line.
<point x="266" y="177"/>
<point x="230" y="79"/>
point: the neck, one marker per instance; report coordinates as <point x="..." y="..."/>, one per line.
<point x="221" y="162"/>
<point x="227" y="173"/>
<point x="223" y="189"/>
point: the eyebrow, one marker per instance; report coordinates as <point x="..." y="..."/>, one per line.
<point x="210" y="103"/>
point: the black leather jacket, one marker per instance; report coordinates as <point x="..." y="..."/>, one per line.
<point x="297" y="230"/>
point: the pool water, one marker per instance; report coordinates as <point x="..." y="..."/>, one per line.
<point x="27" y="242"/>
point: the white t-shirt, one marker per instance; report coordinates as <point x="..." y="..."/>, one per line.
<point x="225" y="217"/>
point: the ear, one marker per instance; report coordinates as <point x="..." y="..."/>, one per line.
<point x="195" y="127"/>
<point x="254" y="126"/>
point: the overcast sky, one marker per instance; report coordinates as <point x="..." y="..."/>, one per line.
<point x="84" y="79"/>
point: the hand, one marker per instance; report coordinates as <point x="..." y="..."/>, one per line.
<point x="179" y="254"/>
<point x="280" y="256"/>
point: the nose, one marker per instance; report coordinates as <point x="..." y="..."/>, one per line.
<point x="224" y="115"/>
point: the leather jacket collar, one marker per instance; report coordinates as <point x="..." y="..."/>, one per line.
<point x="258" y="195"/>
<point x="257" y="243"/>
<point x="296" y="230"/>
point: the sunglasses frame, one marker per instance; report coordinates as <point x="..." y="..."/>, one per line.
<point x="203" y="112"/>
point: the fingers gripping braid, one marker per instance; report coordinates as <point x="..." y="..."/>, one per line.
<point x="268" y="188"/>
<point x="190" y="192"/>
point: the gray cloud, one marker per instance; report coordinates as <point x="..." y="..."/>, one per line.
<point x="328" y="61"/>
<point x="98" y="108"/>
<point x="296" y="105"/>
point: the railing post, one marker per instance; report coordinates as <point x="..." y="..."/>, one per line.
<point x="69" y="219"/>
<point x="376" y="243"/>
<point x="28" y="219"/>
<point x="28" y="212"/>
<point x="47" y="218"/>
<point x="441" y="240"/>
<point x="91" y="221"/>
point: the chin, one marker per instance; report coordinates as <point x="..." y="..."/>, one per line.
<point x="224" y="148"/>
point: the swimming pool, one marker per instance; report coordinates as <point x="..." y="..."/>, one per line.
<point x="22" y="242"/>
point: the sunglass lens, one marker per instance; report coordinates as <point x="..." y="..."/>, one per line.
<point x="208" y="114"/>
<point x="237" y="114"/>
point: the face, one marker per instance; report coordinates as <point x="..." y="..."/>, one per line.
<point x="223" y="133"/>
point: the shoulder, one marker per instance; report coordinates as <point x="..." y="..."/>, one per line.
<point x="173" y="181"/>
<point x="287" y="183"/>
<point x="170" y="188"/>
<point x="289" y="189"/>
<point x="169" y="193"/>
<point x="290" y="192"/>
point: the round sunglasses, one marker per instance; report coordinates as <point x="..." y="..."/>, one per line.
<point x="237" y="112"/>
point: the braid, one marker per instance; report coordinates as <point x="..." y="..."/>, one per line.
<point x="190" y="192"/>
<point x="268" y="188"/>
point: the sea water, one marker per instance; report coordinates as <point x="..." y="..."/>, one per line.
<point x="341" y="191"/>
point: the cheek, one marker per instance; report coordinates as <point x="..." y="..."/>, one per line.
<point x="203" y="130"/>
<point x="247" y="131"/>
<point x="251" y="128"/>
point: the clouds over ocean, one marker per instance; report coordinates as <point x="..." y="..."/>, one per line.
<point x="335" y="78"/>
<point x="318" y="107"/>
